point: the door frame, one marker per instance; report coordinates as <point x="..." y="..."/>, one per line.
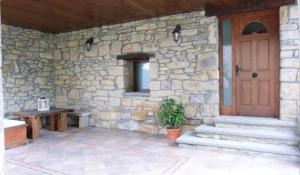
<point x="232" y="110"/>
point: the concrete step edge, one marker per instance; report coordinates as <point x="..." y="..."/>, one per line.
<point x="256" y="133"/>
<point x="190" y="139"/>
<point x="263" y="121"/>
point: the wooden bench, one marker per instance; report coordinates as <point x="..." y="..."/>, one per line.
<point x="15" y="133"/>
<point x="83" y="118"/>
<point x="57" y="120"/>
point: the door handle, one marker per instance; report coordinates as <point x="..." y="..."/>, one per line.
<point x="254" y="75"/>
<point x="237" y="70"/>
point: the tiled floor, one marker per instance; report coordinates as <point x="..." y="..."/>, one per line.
<point x="101" y="152"/>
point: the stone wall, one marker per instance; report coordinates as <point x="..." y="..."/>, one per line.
<point x="27" y="67"/>
<point x="290" y="63"/>
<point x="186" y="71"/>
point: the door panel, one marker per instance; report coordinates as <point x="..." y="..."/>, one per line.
<point x="246" y="55"/>
<point x="263" y="55"/>
<point x="263" y="93"/>
<point x="246" y="92"/>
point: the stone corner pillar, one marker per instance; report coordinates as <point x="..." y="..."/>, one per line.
<point x="1" y="108"/>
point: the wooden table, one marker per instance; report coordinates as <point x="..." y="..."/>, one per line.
<point x="57" y="120"/>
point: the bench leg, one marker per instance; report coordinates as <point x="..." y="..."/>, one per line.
<point x="62" y="122"/>
<point x="35" y="127"/>
<point x="52" y="122"/>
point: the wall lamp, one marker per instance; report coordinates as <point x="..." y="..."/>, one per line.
<point x="89" y="43"/>
<point x="176" y="33"/>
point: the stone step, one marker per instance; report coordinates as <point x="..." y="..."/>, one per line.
<point x="254" y="123"/>
<point x="191" y="140"/>
<point x="253" y="135"/>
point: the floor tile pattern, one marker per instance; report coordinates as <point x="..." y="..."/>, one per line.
<point x="90" y="151"/>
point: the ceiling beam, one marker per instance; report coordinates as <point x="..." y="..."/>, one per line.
<point x="257" y="5"/>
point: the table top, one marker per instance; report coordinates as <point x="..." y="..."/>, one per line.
<point x="35" y="112"/>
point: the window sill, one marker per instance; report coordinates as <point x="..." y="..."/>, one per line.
<point x="137" y="94"/>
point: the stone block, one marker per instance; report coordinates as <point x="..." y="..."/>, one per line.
<point x="207" y="20"/>
<point x="178" y="65"/>
<point x="105" y="123"/>
<point x="110" y="37"/>
<point x="113" y="101"/>
<point x="148" y="128"/>
<point x="154" y="85"/>
<point x="91" y="89"/>
<point x="107" y="83"/>
<point x="128" y="125"/>
<point x="294" y="12"/>
<point x="161" y="35"/>
<point x="123" y="37"/>
<point x="212" y="33"/>
<point x="201" y="76"/>
<point x="283" y="15"/>
<point x="177" y="85"/>
<point x="207" y="61"/>
<point x="46" y="55"/>
<point x="208" y="120"/>
<point x="290" y="91"/>
<point x="288" y="74"/>
<point x="196" y="86"/>
<point x="72" y="43"/>
<point x="165" y="85"/>
<point x="126" y="101"/>
<point x="191" y="110"/>
<point x="82" y="117"/>
<point x="146" y="27"/>
<point x="179" y="76"/>
<point x="150" y="47"/>
<point x="139" y="115"/>
<point x="41" y="81"/>
<point x="289" y="34"/>
<point x="167" y="43"/>
<point x="137" y="37"/>
<point x="154" y="70"/>
<point x="151" y="106"/>
<point x="289" y="63"/>
<point x="107" y="115"/>
<point x="163" y="131"/>
<point x="162" y="93"/>
<point x="288" y="107"/>
<point x="128" y="48"/>
<point x="115" y="70"/>
<point x="116" y="47"/>
<point x="189" y="32"/>
<point x="74" y="94"/>
<point x="104" y="50"/>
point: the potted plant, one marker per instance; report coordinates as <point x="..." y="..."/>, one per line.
<point x="171" y="116"/>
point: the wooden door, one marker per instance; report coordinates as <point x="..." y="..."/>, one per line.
<point x="256" y="64"/>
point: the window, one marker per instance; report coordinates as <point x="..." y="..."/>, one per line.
<point x="141" y="76"/>
<point x="227" y="62"/>
<point x="255" y="27"/>
<point x="137" y="73"/>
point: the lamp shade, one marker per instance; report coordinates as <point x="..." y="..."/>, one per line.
<point x="176" y="33"/>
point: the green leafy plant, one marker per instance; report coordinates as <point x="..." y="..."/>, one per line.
<point x="171" y="113"/>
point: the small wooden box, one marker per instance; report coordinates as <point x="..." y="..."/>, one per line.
<point x="15" y="133"/>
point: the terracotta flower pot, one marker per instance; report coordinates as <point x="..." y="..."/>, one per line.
<point x="173" y="134"/>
